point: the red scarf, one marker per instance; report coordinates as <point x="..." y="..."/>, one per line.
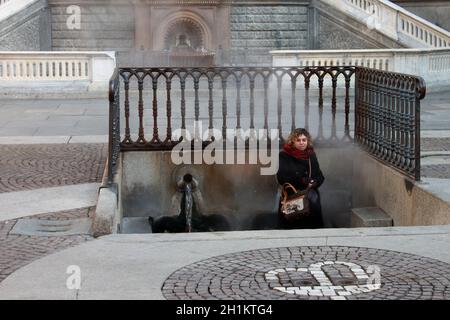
<point x="299" y="154"/>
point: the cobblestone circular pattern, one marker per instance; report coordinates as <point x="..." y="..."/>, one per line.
<point x="323" y="272"/>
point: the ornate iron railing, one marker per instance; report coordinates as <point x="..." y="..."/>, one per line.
<point x="114" y="125"/>
<point x="387" y="117"/>
<point x="266" y="98"/>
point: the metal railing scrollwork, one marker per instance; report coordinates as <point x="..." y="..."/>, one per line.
<point x="387" y="117"/>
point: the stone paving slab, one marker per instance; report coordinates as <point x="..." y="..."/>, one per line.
<point x="52" y="228"/>
<point x="19" y="250"/>
<point x="43" y="200"/>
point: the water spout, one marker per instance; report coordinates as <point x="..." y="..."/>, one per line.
<point x="187" y="212"/>
<point x="186" y="185"/>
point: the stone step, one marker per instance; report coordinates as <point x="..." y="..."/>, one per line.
<point x="135" y="225"/>
<point x="370" y="217"/>
<point x="47" y="228"/>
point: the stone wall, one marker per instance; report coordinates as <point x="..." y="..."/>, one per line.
<point x="259" y="29"/>
<point x="238" y="191"/>
<point x="28" y="30"/>
<point x="103" y="28"/>
<point x="407" y="202"/>
<point x="333" y="30"/>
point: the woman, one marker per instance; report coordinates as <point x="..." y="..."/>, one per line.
<point x="294" y="169"/>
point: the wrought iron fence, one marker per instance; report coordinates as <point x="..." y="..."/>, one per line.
<point x="387" y="117"/>
<point x="114" y="124"/>
<point x="268" y="98"/>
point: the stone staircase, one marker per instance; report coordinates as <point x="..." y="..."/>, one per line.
<point x="24" y="25"/>
<point x="319" y="24"/>
<point x="393" y="21"/>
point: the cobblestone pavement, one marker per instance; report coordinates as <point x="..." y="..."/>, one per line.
<point x="435" y="144"/>
<point x="27" y="167"/>
<point x="440" y="171"/>
<point x="19" y="250"/>
<point x="322" y="272"/>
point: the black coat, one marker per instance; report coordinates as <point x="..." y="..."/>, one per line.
<point x="296" y="172"/>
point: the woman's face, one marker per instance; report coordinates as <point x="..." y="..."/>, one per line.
<point x="301" y="142"/>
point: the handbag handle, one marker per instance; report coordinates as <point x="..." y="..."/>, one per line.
<point x="310" y="170"/>
<point x="288" y="185"/>
<point x="285" y="186"/>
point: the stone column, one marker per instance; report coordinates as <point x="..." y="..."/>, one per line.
<point x="142" y="26"/>
<point x="221" y="27"/>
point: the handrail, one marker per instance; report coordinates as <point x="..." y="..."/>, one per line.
<point x="387" y="107"/>
<point x="114" y="125"/>
<point x="387" y="117"/>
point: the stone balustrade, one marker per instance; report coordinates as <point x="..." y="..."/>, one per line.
<point x="433" y="65"/>
<point x="395" y="22"/>
<point x="37" y="70"/>
<point x="11" y="7"/>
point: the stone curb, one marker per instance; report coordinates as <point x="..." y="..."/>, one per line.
<point x="106" y="213"/>
<point x="107" y="217"/>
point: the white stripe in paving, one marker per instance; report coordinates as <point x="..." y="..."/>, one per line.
<point x="435" y="160"/>
<point x="19" y="204"/>
<point x="435" y="133"/>
<point x="34" y="139"/>
<point x="89" y="139"/>
<point x="53" y="139"/>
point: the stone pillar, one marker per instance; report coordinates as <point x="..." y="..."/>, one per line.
<point x="221" y="27"/>
<point x="313" y="28"/>
<point x="142" y="27"/>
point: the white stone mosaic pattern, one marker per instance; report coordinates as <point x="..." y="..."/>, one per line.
<point x="325" y="287"/>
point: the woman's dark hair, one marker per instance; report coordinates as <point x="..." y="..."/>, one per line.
<point x="297" y="133"/>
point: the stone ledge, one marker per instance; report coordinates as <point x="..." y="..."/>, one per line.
<point x="370" y="217"/>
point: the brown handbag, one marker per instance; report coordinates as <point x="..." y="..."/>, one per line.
<point x="297" y="205"/>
